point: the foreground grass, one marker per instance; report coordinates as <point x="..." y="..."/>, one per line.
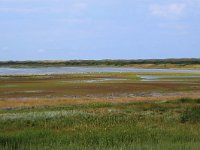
<point x="133" y="125"/>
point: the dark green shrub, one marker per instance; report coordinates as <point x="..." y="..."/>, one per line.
<point x="185" y="100"/>
<point x="189" y="100"/>
<point x="191" y="115"/>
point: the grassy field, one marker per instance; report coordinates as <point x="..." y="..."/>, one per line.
<point x="134" y="125"/>
<point x="100" y="111"/>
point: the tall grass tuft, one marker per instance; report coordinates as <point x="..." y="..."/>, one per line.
<point x="191" y="115"/>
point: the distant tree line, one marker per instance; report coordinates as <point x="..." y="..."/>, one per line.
<point x="98" y="62"/>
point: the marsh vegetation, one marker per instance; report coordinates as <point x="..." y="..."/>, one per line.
<point x="134" y="125"/>
<point x="66" y="111"/>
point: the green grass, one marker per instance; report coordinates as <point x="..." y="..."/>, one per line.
<point x="136" y="125"/>
<point x="191" y="115"/>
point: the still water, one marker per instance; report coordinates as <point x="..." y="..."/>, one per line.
<point x="62" y="70"/>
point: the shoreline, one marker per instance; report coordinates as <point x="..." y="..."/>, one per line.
<point x="7" y="71"/>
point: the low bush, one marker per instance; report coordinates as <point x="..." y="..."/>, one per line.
<point x="191" y="115"/>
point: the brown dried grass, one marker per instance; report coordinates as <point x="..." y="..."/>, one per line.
<point x="42" y="102"/>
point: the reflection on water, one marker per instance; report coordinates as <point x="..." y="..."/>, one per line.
<point x="153" y="78"/>
<point x="60" y="70"/>
<point x="95" y="80"/>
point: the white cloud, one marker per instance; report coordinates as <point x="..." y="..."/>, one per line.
<point x="3" y="49"/>
<point x="18" y="10"/>
<point x="194" y="2"/>
<point x="41" y="50"/>
<point x="170" y="10"/>
<point x="78" y="7"/>
<point x="53" y="6"/>
<point x="175" y="26"/>
<point x="75" y="20"/>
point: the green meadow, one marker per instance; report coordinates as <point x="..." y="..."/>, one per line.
<point x="135" y="125"/>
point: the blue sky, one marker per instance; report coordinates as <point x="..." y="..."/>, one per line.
<point x="99" y="29"/>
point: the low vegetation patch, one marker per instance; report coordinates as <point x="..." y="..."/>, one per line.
<point x="191" y="115"/>
<point x="189" y="100"/>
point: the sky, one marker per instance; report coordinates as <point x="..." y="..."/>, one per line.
<point x="99" y="29"/>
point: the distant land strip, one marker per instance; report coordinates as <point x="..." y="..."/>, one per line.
<point x="193" y="63"/>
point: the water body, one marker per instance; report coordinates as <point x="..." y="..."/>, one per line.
<point x="63" y="70"/>
<point x="96" y="80"/>
<point x="153" y="78"/>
